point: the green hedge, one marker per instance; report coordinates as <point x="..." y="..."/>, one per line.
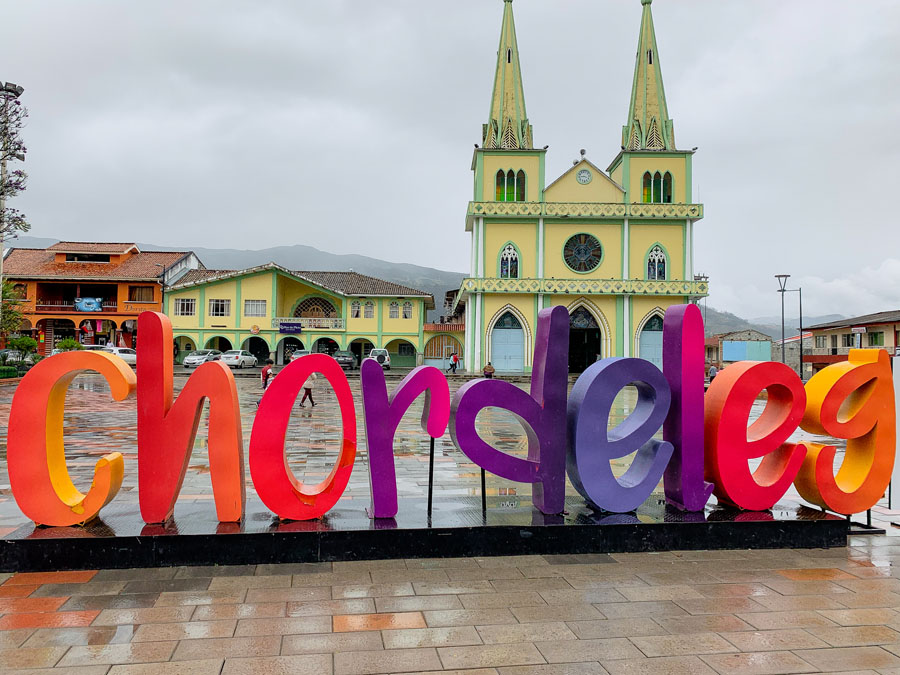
<point x="8" y="371"/>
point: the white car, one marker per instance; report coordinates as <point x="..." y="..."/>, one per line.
<point x="129" y="356"/>
<point x="382" y="356"/>
<point x="236" y="358"/>
<point x="298" y="353"/>
<point x="199" y="356"/>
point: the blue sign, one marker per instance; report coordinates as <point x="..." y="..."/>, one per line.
<point x="88" y="304"/>
<point x="290" y="327"/>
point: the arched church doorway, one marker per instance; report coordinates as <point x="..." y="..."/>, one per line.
<point x="650" y="347"/>
<point x="508" y="344"/>
<point x="585" y="340"/>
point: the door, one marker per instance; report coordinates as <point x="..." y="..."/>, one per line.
<point x="651" y="343"/>
<point x="508" y="345"/>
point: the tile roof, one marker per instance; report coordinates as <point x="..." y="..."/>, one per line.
<point x="344" y="283"/>
<point x="39" y="263"/>
<point x="892" y="316"/>
<point x="92" y="247"/>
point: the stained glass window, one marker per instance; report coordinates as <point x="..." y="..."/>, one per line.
<point x="510" y="186"/>
<point x="667" y="189"/>
<point x="520" y="186"/>
<point x="501" y="186"/>
<point x="509" y="262"/>
<point x="581" y="318"/>
<point x="654" y="324"/>
<point x="648" y="188"/>
<point x="657" y="187"/>
<point x="508" y="322"/>
<point x="656" y="264"/>
<point x="583" y="252"/>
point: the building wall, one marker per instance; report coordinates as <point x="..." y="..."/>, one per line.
<point x="674" y="164"/>
<point x="556" y="234"/>
<point x="493" y="161"/>
<point x="644" y="236"/>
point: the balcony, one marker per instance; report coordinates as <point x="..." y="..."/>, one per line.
<point x="68" y="307"/>
<point x="582" y="210"/>
<point x="586" y="286"/>
<point x="458" y="327"/>
<point x="310" y="323"/>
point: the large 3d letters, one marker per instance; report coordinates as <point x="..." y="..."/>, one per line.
<point x="543" y="414"/>
<point x="382" y="415"/>
<point x="592" y="446"/>
<point x="730" y="444"/>
<point x="852" y="400"/>
<point x="35" y="454"/>
<point x="166" y="431"/>
<point x="683" y="366"/>
<point x="275" y="484"/>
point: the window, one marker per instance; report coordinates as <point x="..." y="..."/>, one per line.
<point x="876" y="339"/>
<point x="394" y="311"/>
<point x="510" y="186"/>
<point x="220" y="307"/>
<point x="405" y="349"/>
<point x="140" y="294"/>
<point x="650" y="56"/>
<point x="848" y="340"/>
<point x="407" y="310"/>
<point x="656" y="264"/>
<point x="369" y="310"/>
<point x="834" y="341"/>
<point x="657" y="188"/>
<point x="821" y="341"/>
<point x="509" y="262"/>
<point x="667" y="188"/>
<point x="315" y="308"/>
<point x="185" y="306"/>
<point x="509" y="55"/>
<point x="87" y="257"/>
<point x="583" y="252"/>
<point x="254" y="307"/>
<point x="19" y="290"/>
<point x="355" y="309"/>
<point x="647" y="195"/>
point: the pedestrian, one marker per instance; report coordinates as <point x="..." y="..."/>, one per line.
<point x="266" y="373"/>
<point x="713" y="371"/>
<point x="489" y="371"/>
<point x="308" y="390"/>
<point x="454" y="362"/>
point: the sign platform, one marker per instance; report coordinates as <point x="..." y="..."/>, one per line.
<point x="458" y="527"/>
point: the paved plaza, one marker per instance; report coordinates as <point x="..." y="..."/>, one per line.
<point x="768" y="611"/>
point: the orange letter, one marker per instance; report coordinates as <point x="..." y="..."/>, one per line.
<point x="852" y="400"/>
<point x="729" y="443"/>
<point x="275" y="484"/>
<point x="35" y="453"/>
<point x="166" y="432"/>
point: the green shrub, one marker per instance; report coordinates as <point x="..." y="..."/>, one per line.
<point x="69" y="345"/>
<point x="8" y="371"/>
<point x="25" y="345"/>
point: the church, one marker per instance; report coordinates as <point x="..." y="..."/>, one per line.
<point x="614" y="247"/>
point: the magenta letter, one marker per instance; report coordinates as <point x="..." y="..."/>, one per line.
<point x="543" y="415"/>
<point x="382" y="415"/>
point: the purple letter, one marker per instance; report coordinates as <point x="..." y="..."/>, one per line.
<point x="683" y="360"/>
<point x="592" y="445"/>
<point x="542" y="414"/>
<point x="382" y="415"/>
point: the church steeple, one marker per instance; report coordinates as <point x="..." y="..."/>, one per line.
<point x="649" y="126"/>
<point x="507" y="125"/>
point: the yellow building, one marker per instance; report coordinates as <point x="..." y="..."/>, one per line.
<point x="272" y="312"/>
<point x="614" y="247"/>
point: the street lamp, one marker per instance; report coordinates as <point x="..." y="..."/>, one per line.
<point x="782" y="282"/>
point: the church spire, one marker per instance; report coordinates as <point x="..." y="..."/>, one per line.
<point x="507" y="125"/>
<point x="649" y="126"/>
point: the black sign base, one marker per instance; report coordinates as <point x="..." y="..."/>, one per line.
<point x="459" y="527"/>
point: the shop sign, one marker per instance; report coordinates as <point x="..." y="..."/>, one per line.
<point x="706" y="447"/>
<point x="288" y="327"/>
<point x="858" y="329"/>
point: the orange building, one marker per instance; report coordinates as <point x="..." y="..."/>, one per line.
<point x="91" y="291"/>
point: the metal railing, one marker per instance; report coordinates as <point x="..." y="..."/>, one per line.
<point x="315" y="322"/>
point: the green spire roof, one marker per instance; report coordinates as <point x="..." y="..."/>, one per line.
<point x="649" y="126"/>
<point x="507" y="125"/>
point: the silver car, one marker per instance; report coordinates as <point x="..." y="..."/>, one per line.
<point x="199" y="356"/>
<point x="129" y="356"/>
<point x="236" y="358"/>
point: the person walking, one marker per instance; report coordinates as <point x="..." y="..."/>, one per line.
<point x="489" y="371"/>
<point x="454" y="362"/>
<point x="713" y="371"/>
<point x="266" y="373"/>
<point x="308" y="390"/>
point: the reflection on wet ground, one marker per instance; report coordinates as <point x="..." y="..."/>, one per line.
<point x="96" y="425"/>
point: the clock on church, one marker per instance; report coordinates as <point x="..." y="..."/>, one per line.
<point x="584" y="176"/>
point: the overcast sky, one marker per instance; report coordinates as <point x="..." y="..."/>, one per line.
<point x="349" y="125"/>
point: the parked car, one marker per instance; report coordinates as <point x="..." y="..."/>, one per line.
<point x="129" y="356"/>
<point x="299" y="352"/>
<point x="346" y="360"/>
<point x="236" y="358"/>
<point x="382" y="356"/>
<point x="87" y="348"/>
<point x="195" y="358"/>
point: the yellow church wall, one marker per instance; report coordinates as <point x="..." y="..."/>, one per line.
<point x="555" y="237"/>
<point x="529" y="163"/>
<point x="675" y="165"/>
<point x="599" y="190"/>
<point x="523" y="235"/>
<point x="256" y="287"/>
<point x="616" y="174"/>
<point x="643" y="237"/>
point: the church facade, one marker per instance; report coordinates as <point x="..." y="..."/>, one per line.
<point x="613" y="246"/>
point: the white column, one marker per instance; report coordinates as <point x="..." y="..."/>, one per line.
<point x="469" y="328"/>
<point x="472" y="241"/>
<point x="689" y="252"/>
<point x="626" y="251"/>
<point x="626" y="320"/>
<point x="481" y="247"/>
<point x="540" y="251"/>
<point x="477" y="331"/>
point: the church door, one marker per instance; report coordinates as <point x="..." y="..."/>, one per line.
<point x="651" y="345"/>
<point x="508" y="345"/>
<point x="585" y="340"/>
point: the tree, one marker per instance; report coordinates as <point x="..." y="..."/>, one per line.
<point x="68" y="345"/>
<point x="11" y="314"/>
<point x="12" y="120"/>
<point x="25" y="345"/>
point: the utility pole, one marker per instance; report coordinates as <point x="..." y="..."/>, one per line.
<point x="782" y="282"/>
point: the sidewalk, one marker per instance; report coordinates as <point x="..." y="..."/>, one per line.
<point x="775" y="611"/>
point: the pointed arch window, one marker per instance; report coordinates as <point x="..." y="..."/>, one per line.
<point x="510" y="186"/>
<point x="667" y="188"/>
<point x="509" y="262"/>
<point x="656" y="264"/>
<point x="648" y="188"/>
<point x="657" y="188"/>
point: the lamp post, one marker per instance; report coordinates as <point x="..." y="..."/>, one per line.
<point x="782" y="282"/>
<point x="8" y="92"/>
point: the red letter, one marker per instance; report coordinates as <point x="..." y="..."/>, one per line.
<point x="166" y="432"/>
<point x="275" y="484"/>
<point x="729" y="443"/>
